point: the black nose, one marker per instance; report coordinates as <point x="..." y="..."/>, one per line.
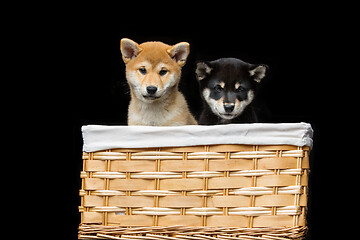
<point x="229" y="107"/>
<point x="151" y="89"/>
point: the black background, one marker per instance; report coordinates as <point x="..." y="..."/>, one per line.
<point x="291" y="40"/>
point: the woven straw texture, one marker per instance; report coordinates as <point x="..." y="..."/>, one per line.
<point x="198" y="192"/>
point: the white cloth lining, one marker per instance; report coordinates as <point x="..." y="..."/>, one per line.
<point x="99" y="137"/>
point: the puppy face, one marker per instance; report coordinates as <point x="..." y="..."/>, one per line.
<point x="228" y="85"/>
<point x="153" y="69"/>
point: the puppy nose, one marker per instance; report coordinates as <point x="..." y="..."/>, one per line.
<point x="229" y="107"/>
<point x="151" y="89"/>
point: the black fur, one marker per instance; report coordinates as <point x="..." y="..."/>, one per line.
<point x="228" y="81"/>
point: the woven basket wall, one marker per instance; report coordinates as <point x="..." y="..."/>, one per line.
<point x="199" y="192"/>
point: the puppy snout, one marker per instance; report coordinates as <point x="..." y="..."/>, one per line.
<point x="229" y="107"/>
<point x="151" y="90"/>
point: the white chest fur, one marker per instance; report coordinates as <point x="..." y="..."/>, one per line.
<point x="151" y="114"/>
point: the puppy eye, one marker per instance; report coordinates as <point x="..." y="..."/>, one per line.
<point x="240" y="89"/>
<point x="218" y="88"/>
<point x="142" y="71"/>
<point x="163" y="72"/>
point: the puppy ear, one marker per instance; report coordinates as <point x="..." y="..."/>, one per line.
<point x="258" y="72"/>
<point x="202" y="70"/>
<point x="129" y="49"/>
<point x="179" y="52"/>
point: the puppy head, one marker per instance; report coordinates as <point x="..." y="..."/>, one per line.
<point x="153" y="68"/>
<point x="228" y="85"/>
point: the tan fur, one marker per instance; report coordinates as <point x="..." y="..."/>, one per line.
<point x="168" y="107"/>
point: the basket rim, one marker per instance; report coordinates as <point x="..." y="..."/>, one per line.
<point x="101" y="137"/>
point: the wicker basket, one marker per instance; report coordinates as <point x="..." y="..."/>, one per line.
<point x="217" y="191"/>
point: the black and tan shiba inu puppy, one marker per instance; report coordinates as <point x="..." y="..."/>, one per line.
<point x="153" y="71"/>
<point x="228" y="87"/>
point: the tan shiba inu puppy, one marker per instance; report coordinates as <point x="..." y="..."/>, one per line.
<point x="153" y="71"/>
